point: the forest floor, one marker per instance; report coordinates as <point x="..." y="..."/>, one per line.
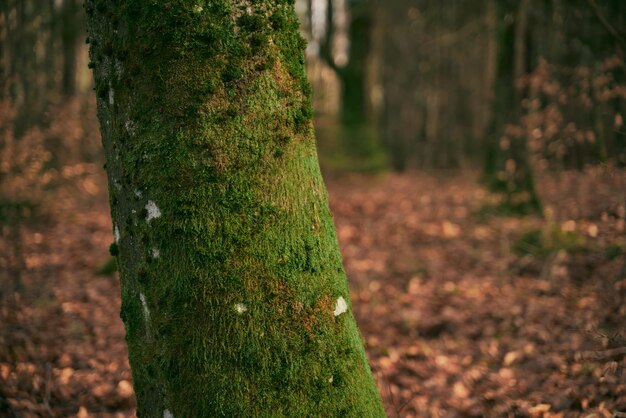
<point x="464" y="313"/>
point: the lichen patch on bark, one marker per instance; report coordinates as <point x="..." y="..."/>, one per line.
<point x="146" y="310"/>
<point x="340" y="306"/>
<point x="152" y="211"/>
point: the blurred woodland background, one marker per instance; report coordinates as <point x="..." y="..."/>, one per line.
<point x="474" y="153"/>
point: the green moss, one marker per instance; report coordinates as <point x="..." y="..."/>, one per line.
<point x="251" y="23"/>
<point x="102" y="90"/>
<point x="615" y="250"/>
<point x="543" y="243"/>
<point x="232" y="73"/>
<point x="107" y="268"/>
<point x="279" y="20"/>
<point x="101" y="6"/>
<point x="108" y="49"/>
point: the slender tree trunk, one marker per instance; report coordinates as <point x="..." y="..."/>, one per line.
<point x="489" y="74"/>
<point x="354" y="100"/>
<point x="69" y="38"/>
<point x="520" y="46"/>
<point x="507" y="165"/>
<point x="234" y="298"/>
<point x="4" y="50"/>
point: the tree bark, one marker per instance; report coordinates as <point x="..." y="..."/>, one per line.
<point x="234" y="297"/>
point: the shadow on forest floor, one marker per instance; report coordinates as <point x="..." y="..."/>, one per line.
<point x="463" y="315"/>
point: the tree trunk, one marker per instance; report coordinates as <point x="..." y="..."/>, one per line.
<point x="69" y="39"/>
<point x="354" y="100"/>
<point x="358" y="146"/>
<point x="234" y="298"/>
<point x="507" y="167"/>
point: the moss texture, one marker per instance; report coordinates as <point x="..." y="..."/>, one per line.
<point x="227" y="252"/>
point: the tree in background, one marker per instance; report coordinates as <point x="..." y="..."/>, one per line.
<point x="234" y="298"/>
<point x="518" y="86"/>
<point x="507" y="165"/>
<point x="359" y="138"/>
<point x="537" y="84"/>
<point x="576" y="87"/>
<point x="435" y="82"/>
<point x="344" y="39"/>
<point x="71" y="28"/>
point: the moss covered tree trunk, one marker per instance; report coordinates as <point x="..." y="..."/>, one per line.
<point x="234" y="297"/>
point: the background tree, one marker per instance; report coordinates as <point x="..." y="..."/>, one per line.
<point x="345" y="40"/>
<point x="507" y="164"/>
<point x="446" y="72"/>
<point x="233" y="294"/>
<point x="359" y="139"/>
<point x="435" y="82"/>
